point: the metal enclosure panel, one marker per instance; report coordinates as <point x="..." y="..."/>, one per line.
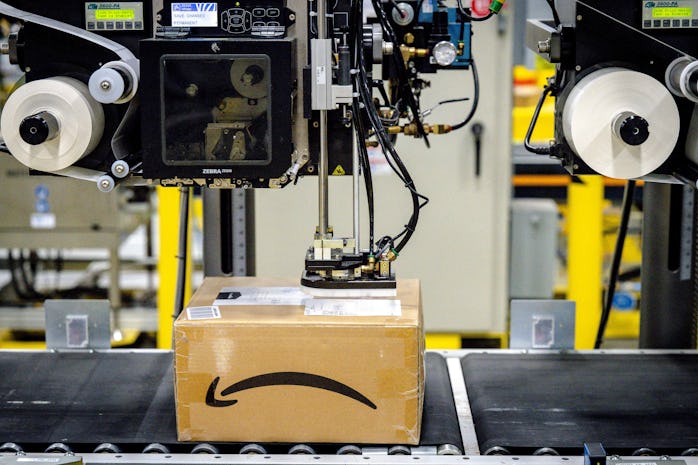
<point x="460" y="249"/>
<point x="77" y="205"/>
<point x="533" y="248"/>
<point x="667" y="308"/>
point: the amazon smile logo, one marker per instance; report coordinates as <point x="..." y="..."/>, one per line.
<point x="285" y="378"/>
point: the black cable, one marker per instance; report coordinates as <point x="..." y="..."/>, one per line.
<point x="388" y="148"/>
<point x="532" y="125"/>
<point x="366" y="171"/>
<point x="556" y="17"/>
<point x="453" y="100"/>
<point x="22" y="285"/>
<point x="628" y="195"/>
<point x="476" y="97"/>
<point x="33" y="265"/>
<point x="385" y="243"/>
<point x="384" y="140"/>
<point x="470" y="17"/>
<point x="445" y="102"/>
<point x="182" y="249"/>
<point x="395" y="5"/>
<point x="403" y="78"/>
<point x="28" y="281"/>
<point x="58" y="264"/>
<point x="14" y="280"/>
<point x="355" y="37"/>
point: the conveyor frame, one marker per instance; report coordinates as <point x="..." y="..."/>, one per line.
<point x="234" y="459"/>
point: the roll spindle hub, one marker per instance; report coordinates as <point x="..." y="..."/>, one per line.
<point x="632" y="129"/>
<point x="39" y="128"/>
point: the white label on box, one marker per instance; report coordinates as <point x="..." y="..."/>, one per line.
<point x="42" y="221"/>
<point x="203" y="313"/>
<point x="346" y="307"/>
<point x="260" y="296"/>
<point x="195" y="14"/>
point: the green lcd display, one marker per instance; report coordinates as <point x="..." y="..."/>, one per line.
<point x="661" y="13"/>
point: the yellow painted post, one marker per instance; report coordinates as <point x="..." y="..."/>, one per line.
<point x="585" y="256"/>
<point x="168" y="223"/>
<point x="443" y="341"/>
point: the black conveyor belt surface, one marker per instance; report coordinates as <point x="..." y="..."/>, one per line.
<point x="625" y="401"/>
<point x="127" y="398"/>
<point x="72" y="397"/>
<point x="440" y="420"/>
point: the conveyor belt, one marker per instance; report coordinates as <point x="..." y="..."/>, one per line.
<point x="527" y="401"/>
<point x="117" y="397"/>
<point x="126" y="398"/>
<point x="439" y="422"/>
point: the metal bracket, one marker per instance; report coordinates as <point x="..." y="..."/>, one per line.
<point x="78" y="324"/>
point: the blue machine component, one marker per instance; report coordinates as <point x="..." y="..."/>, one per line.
<point x="624" y="301"/>
<point x="454" y="29"/>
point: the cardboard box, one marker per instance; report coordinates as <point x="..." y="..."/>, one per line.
<point x="274" y="373"/>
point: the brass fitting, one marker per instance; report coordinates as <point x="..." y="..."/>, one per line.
<point x="461" y="49"/>
<point x="411" y="129"/>
<point x="438" y="129"/>
<point x="387" y="112"/>
<point x="370" y="267"/>
<point x="384" y="268"/>
<point x="411" y="52"/>
<point x="408" y="38"/>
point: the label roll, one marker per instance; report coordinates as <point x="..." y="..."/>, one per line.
<point x="623" y="124"/>
<point x="50" y="124"/>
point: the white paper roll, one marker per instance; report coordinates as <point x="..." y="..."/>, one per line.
<point x="596" y="103"/>
<point x="80" y="121"/>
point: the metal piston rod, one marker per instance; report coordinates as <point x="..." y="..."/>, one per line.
<point x="323" y="190"/>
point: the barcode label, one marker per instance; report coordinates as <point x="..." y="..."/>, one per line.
<point x="203" y="313"/>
